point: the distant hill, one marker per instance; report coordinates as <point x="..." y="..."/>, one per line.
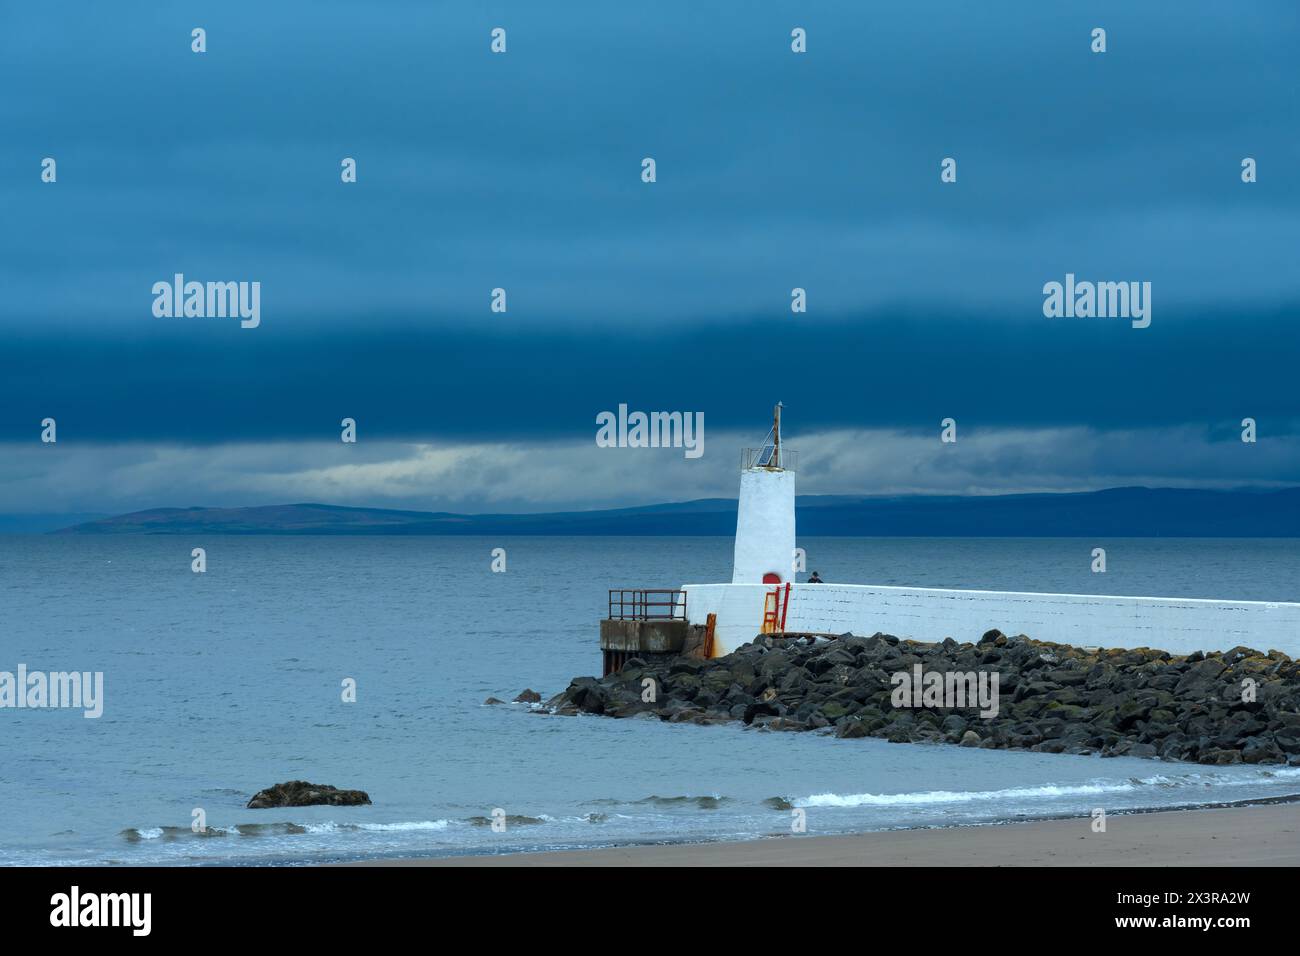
<point x="1116" y="512"/>
<point x="42" y="523"/>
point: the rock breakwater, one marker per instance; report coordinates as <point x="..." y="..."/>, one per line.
<point x="1228" y="707"/>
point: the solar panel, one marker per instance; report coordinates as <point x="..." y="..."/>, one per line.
<point x="768" y="451"/>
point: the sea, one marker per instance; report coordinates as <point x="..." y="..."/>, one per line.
<point x="222" y="683"/>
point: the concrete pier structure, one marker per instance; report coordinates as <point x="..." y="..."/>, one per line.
<point x="643" y="622"/>
<point x="1177" y="625"/>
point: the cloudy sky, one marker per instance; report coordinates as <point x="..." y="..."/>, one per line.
<point x="523" y="171"/>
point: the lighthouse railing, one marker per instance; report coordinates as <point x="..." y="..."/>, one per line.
<point x="647" y="604"/>
<point x="762" y="458"/>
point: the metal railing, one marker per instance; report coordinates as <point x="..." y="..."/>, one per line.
<point x="761" y="458"/>
<point x="647" y="604"/>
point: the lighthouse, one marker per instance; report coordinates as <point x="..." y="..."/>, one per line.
<point x="765" y="518"/>
<point x="715" y="619"/>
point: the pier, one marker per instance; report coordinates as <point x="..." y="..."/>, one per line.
<point x="764" y="598"/>
<point x="644" y="623"/>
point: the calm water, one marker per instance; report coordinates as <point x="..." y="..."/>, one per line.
<point x="220" y="684"/>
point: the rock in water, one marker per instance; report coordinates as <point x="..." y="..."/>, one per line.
<point x="300" y="793"/>
<point x="528" y="696"/>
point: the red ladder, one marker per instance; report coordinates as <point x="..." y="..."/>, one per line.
<point x="775" y="607"/>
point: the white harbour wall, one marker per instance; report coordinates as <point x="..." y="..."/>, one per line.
<point x="1177" y="625"/>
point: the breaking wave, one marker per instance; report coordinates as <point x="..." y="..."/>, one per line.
<point x="141" y="834"/>
<point x="1168" y="782"/>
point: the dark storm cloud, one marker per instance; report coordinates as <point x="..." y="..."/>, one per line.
<point x="521" y="171"/>
<point x="207" y="380"/>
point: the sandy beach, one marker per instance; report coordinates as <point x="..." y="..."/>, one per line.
<point x="1235" y="836"/>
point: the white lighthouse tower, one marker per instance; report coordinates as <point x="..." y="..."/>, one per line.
<point x="765" y="520"/>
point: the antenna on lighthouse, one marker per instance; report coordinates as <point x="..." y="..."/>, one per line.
<point x="769" y="455"/>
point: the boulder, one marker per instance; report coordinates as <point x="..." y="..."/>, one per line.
<point x="300" y="793"/>
<point x="587" y="694"/>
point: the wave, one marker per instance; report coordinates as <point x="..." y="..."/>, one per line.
<point x="511" y="819"/>
<point x="330" y="826"/>
<point x="953" y="796"/>
<point x="712" y="802"/>
<point x="141" y="834"/>
<point x="1045" y="792"/>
